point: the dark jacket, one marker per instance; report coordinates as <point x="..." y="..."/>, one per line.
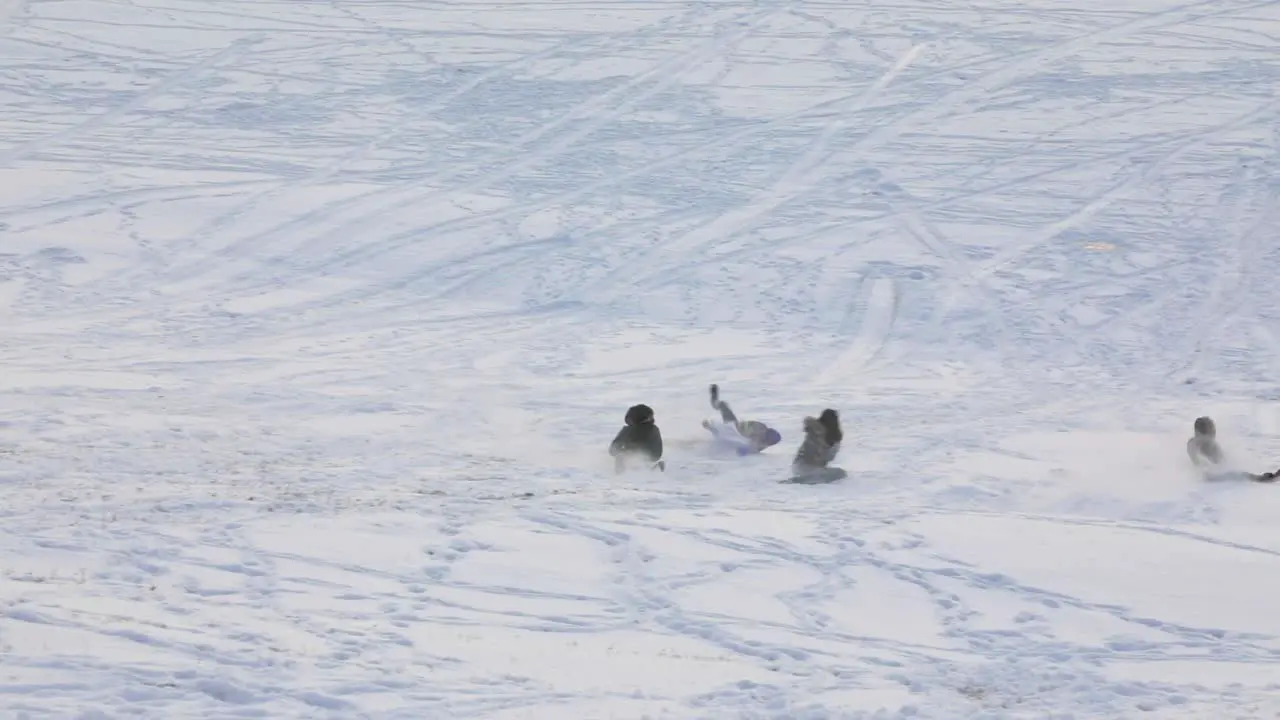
<point x="643" y="439"/>
<point x="640" y="435"/>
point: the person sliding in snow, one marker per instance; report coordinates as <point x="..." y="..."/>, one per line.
<point x="744" y="437"/>
<point x="1206" y="454"/>
<point x="1203" y="448"/>
<point x="822" y="438"/>
<point x="639" y="438"/>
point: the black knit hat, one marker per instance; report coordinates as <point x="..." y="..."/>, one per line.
<point x="637" y="414"/>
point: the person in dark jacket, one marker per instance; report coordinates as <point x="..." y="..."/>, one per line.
<point x="822" y="438"/>
<point x="1206" y="454"/>
<point x="639" y="438"/>
<point x="743" y="437"/>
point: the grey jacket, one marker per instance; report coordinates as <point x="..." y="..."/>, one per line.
<point x="815" y="452"/>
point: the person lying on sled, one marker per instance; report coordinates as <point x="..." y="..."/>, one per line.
<point x="742" y="437"/>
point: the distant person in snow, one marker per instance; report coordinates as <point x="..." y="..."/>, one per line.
<point x="822" y="438"/>
<point x="1203" y="448"/>
<point x="1206" y="454"/>
<point x="639" y="440"/>
<point x="743" y="437"/>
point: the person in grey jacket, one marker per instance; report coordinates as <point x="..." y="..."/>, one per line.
<point x="1206" y="454"/>
<point x="743" y="437"/>
<point x="822" y="438"/>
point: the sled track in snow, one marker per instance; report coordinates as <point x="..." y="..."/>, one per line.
<point x="1004" y="75"/>
<point x="879" y="300"/>
<point x="529" y="150"/>
<point x="1135" y="179"/>
<point x="844" y="555"/>
<point x="1013" y="68"/>
<point x="365" y="211"/>
<point x="483" y="219"/>
<point x="1232" y="291"/>
<point x="295" y="505"/>
<point x="225" y="55"/>
<point x="797" y="181"/>
<point x="657" y="552"/>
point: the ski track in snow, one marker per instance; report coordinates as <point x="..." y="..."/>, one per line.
<point x="317" y="318"/>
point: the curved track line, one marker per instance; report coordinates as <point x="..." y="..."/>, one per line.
<point x="881" y="308"/>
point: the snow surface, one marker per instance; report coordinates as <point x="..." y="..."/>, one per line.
<point x="317" y="318"/>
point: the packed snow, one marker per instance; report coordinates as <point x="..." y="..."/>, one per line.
<point x="317" y="320"/>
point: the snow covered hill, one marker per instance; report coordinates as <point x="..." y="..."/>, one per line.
<point x="316" y="319"/>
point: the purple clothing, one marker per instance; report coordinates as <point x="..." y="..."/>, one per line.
<point x="726" y="438"/>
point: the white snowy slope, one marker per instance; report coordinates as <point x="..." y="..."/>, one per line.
<point x="316" y="320"/>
